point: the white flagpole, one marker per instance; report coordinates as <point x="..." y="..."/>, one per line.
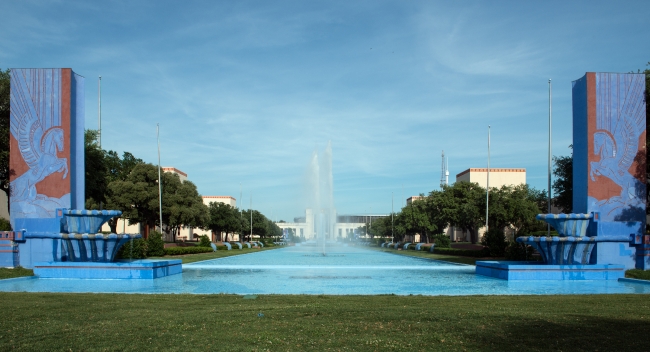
<point x="487" y="193"/>
<point x="159" y="179"/>
<point x="99" y="112"/>
<point x="548" y="226"/>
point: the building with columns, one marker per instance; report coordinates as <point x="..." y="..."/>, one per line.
<point x="345" y="225"/>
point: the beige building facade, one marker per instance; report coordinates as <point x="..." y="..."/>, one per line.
<point x="498" y="177"/>
<point x="173" y="170"/>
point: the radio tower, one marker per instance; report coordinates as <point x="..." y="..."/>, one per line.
<point x="444" y="177"/>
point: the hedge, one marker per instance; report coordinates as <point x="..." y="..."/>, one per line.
<point x="186" y="250"/>
<point x="463" y="252"/>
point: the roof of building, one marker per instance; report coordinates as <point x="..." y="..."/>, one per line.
<point x="173" y="169"/>
<point x="491" y="170"/>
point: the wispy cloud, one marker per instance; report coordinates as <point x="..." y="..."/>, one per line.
<point x="244" y="92"/>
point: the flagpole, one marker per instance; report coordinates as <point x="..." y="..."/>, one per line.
<point x="159" y="180"/>
<point x="487" y="193"/>
<point x="251" y="211"/>
<point x="392" y="213"/>
<point x="548" y="226"/>
<point x="99" y="112"/>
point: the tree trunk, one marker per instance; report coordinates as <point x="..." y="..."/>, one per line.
<point x="473" y="234"/>
<point x="147" y="228"/>
<point x="112" y="223"/>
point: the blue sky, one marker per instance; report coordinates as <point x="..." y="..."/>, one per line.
<point x="245" y="91"/>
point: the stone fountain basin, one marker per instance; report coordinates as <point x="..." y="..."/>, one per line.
<point x="84" y="247"/>
<point x="568" y="224"/>
<point x="558" y="250"/>
<point x="85" y="221"/>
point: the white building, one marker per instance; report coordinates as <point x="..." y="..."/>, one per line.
<point x="345" y="225"/>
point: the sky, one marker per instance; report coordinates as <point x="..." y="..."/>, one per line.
<point x="244" y="92"/>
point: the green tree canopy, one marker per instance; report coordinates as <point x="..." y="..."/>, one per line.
<point x="563" y="184"/>
<point x="137" y="195"/>
<point x="414" y="219"/>
<point x="182" y="205"/>
<point x="464" y="207"/>
<point x="96" y="184"/>
<point x="223" y="218"/>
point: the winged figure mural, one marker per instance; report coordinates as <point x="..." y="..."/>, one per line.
<point x="620" y="126"/>
<point x="36" y="126"/>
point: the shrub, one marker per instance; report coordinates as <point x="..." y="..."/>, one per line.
<point x="442" y="241"/>
<point x="266" y="241"/>
<point x="543" y="233"/>
<point x="186" y="250"/>
<point x="204" y="241"/>
<point x="495" y="240"/>
<point x="462" y="252"/>
<point x="426" y="247"/>
<point x="518" y="251"/>
<point x="5" y="225"/>
<point x="155" y="245"/>
<point x="134" y="249"/>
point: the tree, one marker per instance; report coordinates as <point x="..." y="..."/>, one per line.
<point x="118" y="169"/>
<point x="436" y="205"/>
<point x="563" y="184"/>
<point x="5" y="98"/>
<point x="182" y="205"/>
<point x="381" y="227"/>
<point x="223" y="218"/>
<point x="414" y="219"/>
<point x="96" y="182"/>
<point x="514" y="206"/>
<point x="262" y="226"/>
<point x="137" y="196"/>
<point x="464" y="207"/>
<point x="273" y="230"/>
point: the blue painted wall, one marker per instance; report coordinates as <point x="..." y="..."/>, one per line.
<point x="580" y="150"/>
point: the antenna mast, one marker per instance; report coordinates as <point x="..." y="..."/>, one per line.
<point x="444" y="176"/>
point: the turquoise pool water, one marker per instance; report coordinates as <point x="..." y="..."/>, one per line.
<point x="343" y="271"/>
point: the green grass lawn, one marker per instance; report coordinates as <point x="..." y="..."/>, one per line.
<point x="632" y="273"/>
<point x="136" y="322"/>
<point x="6" y="273"/>
<point x="638" y="274"/>
<point x="102" y="322"/>
<point x="191" y="258"/>
<point x="425" y="254"/>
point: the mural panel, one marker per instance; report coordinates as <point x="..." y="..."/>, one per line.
<point x="40" y="141"/>
<point x="615" y="146"/>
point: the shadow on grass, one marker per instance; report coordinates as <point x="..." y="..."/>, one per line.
<point x="574" y="332"/>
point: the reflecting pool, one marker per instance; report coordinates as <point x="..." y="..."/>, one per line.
<point x="342" y="271"/>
